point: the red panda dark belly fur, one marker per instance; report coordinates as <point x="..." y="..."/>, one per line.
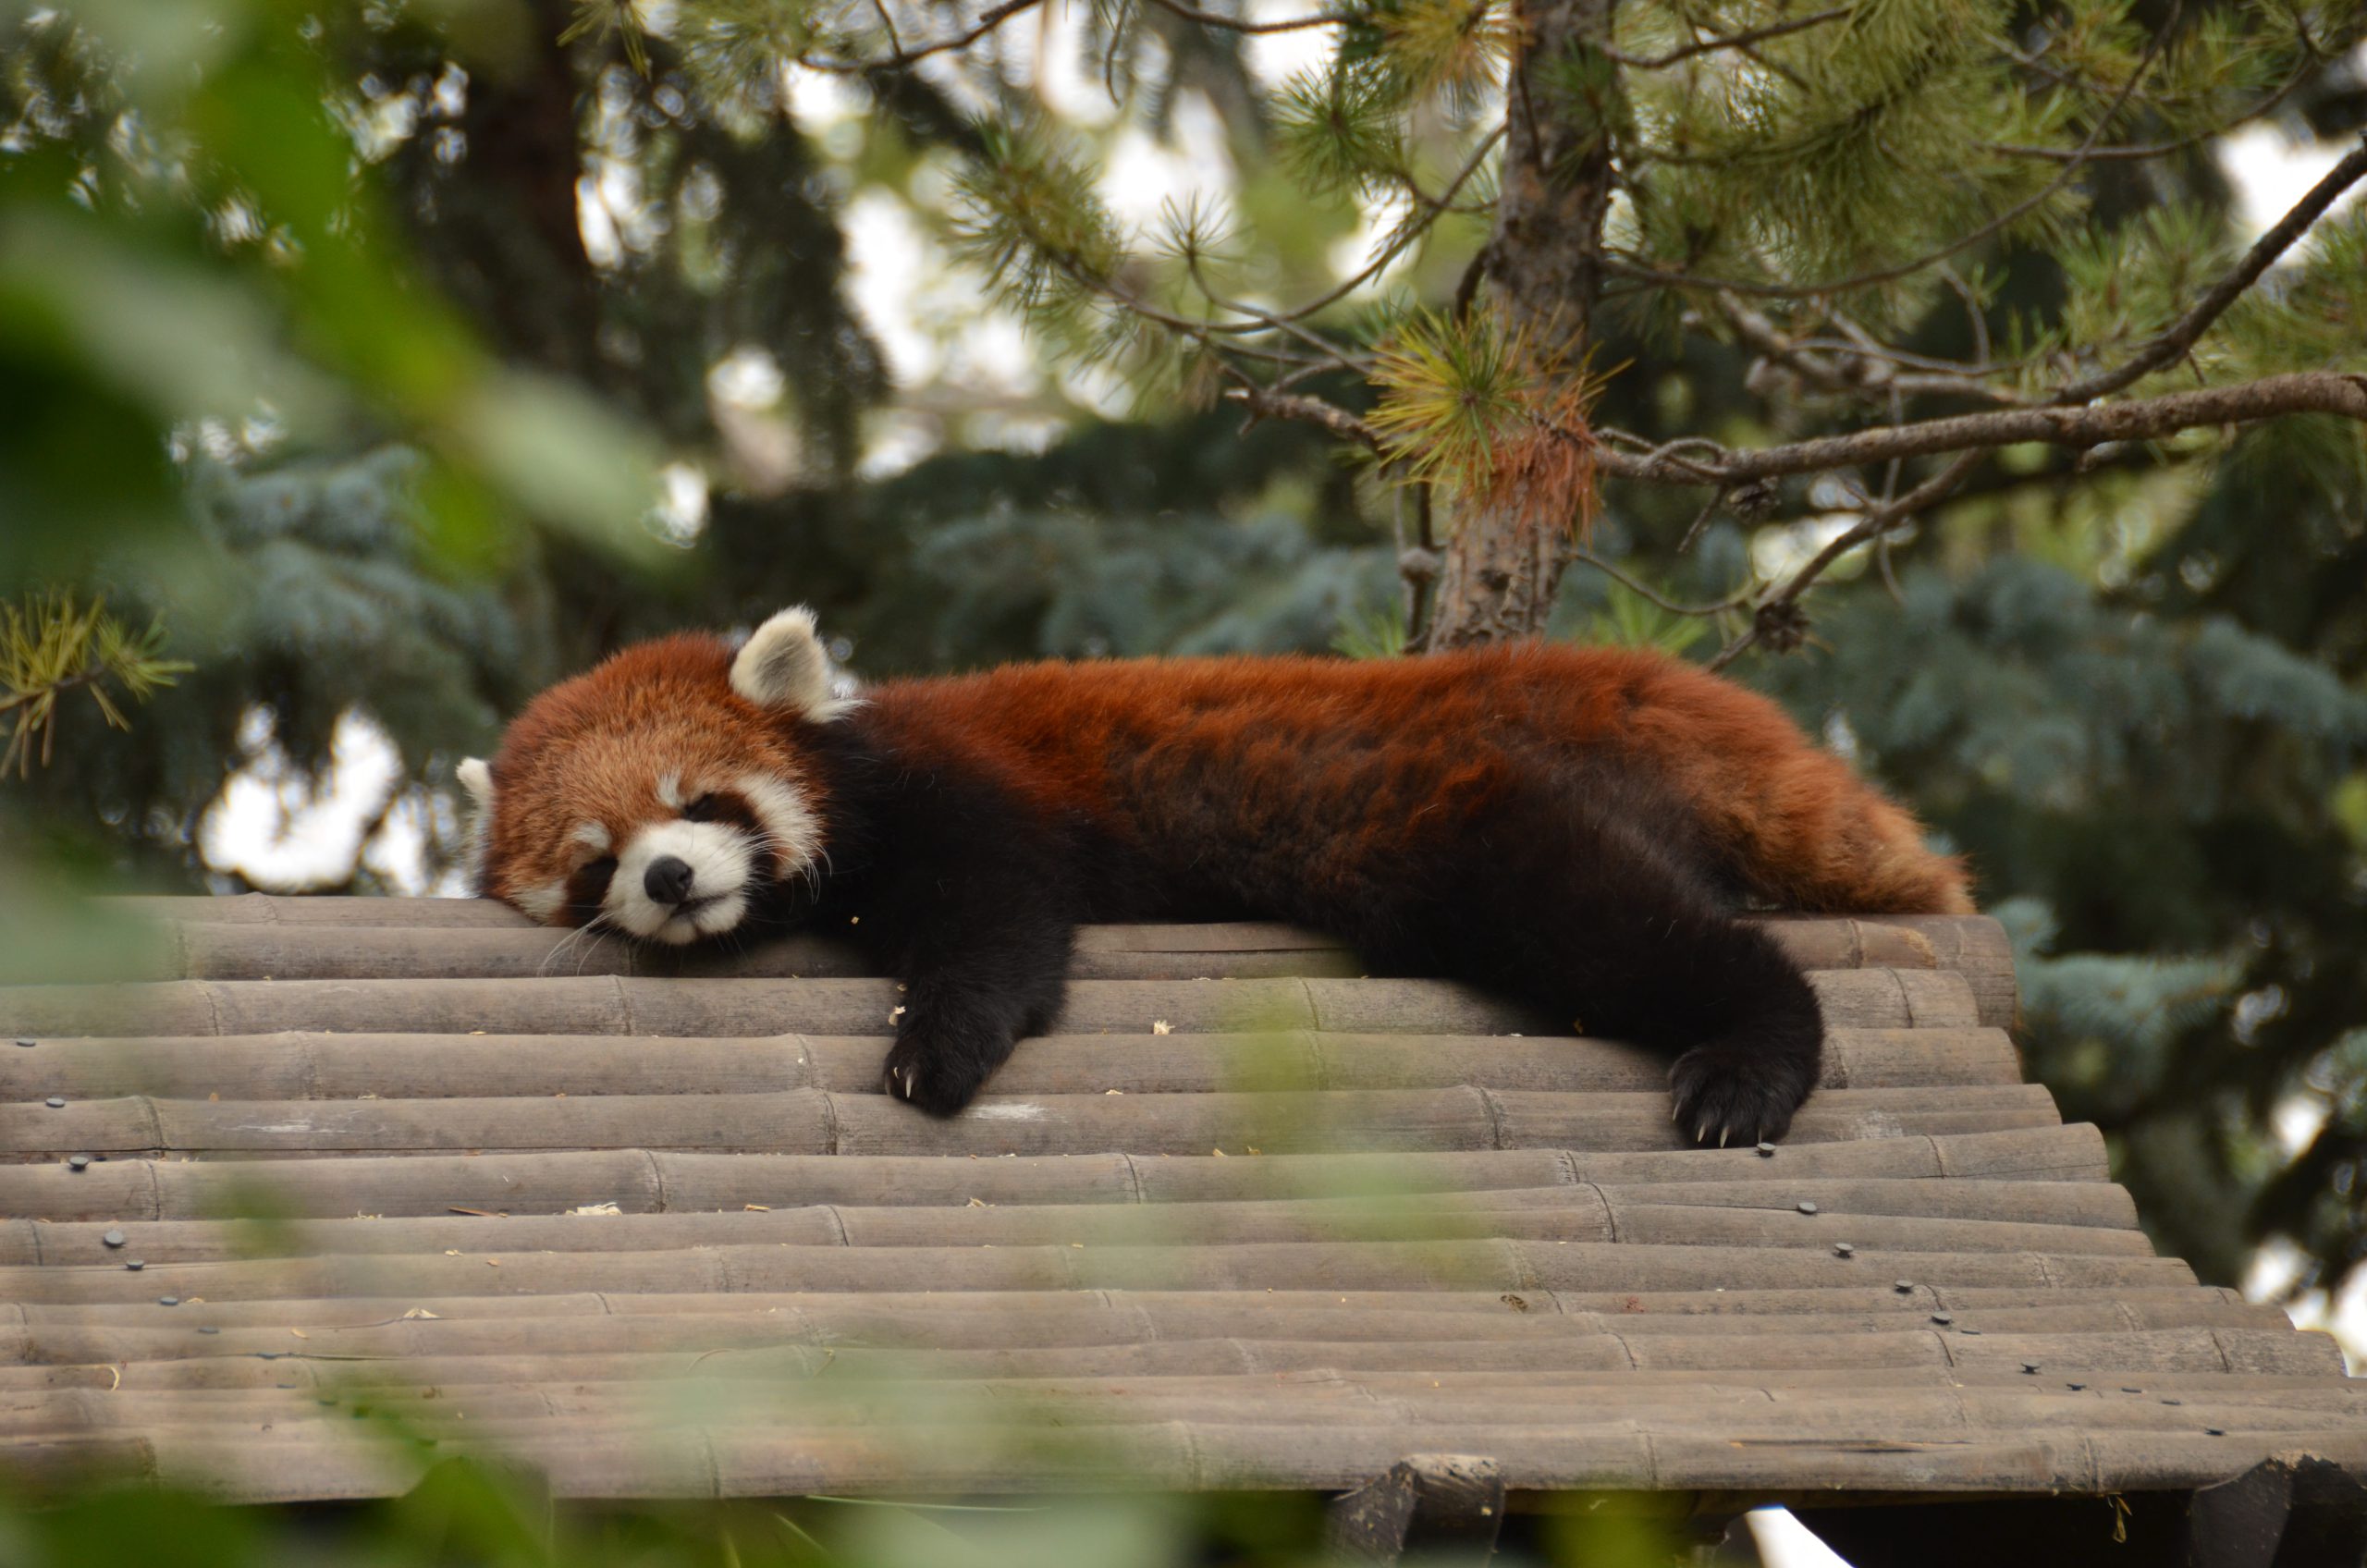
<point x="1569" y="826"/>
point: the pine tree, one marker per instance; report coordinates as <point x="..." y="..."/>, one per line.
<point x="1828" y="190"/>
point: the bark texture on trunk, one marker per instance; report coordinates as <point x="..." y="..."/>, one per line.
<point x="498" y="231"/>
<point x="1501" y="570"/>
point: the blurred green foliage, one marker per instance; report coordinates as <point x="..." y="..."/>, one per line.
<point x="467" y="1512"/>
<point x="191" y="276"/>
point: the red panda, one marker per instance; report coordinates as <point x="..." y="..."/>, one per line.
<point x="1577" y="828"/>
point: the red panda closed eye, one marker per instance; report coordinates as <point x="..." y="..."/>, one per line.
<point x="1575" y="827"/>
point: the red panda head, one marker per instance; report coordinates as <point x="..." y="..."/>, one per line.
<point x="659" y="792"/>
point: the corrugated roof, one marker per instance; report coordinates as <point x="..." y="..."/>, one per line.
<point x="1246" y="1221"/>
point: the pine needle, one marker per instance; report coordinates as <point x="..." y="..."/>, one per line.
<point x="51" y="645"/>
<point x="1476" y="406"/>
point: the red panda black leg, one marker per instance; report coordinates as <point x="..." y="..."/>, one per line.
<point x="1749" y="1034"/>
<point x="1605" y="912"/>
<point x="972" y="991"/>
<point x="949" y="1043"/>
<point x="1743" y="1088"/>
<point x="974" y="917"/>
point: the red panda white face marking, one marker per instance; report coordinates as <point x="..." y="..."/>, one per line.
<point x="662" y="792"/>
<point x="543" y="903"/>
<point x="789" y="826"/>
<point x="678" y="881"/>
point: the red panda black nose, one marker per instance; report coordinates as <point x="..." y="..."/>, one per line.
<point x="668" y="880"/>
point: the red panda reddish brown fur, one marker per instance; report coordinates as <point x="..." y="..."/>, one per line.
<point x="1810" y="833"/>
<point x="1578" y="828"/>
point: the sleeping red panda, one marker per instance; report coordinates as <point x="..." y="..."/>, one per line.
<point x="1575" y="827"/>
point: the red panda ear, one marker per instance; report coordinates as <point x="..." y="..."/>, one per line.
<point x="477" y="779"/>
<point x="782" y="666"/>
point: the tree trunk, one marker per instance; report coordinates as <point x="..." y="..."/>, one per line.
<point x="497" y="230"/>
<point x="1500" y="571"/>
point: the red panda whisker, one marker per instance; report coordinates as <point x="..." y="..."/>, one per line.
<point x="570" y="937"/>
<point x="598" y="926"/>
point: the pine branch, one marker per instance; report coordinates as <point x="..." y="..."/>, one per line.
<point x="1698" y="460"/>
<point x="1777" y="620"/>
<point x="1264" y="403"/>
<point x="1660" y="462"/>
<point x="1242" y="24"/>
<point x="1275" y="321"/>
<point x="2141" y="419"/>
<point x="49" y="691"/>
<point x="1222" y="338"/>
<point x="888" y="22"/>
<point x="1975" y="322"/>
<point x="1664" y="277"/>
<point x="1716" y="41"/>
<point x="2170" y="346"/>
<point x="1860" y="368"/>
<point x="50" y="647"/>
<point x="899" y="58"/>
<point x="2071" y="82"/>
<point x="2311" y="60"/>
<point x="1650" y="595"/>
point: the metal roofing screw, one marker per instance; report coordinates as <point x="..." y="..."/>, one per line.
<point x="207" y="1329"/>
<point x="2132" y="1390"/>
<point x="135" y="1265"/>
<point x="1944" y="1317"/>
<point x="2215" y="1431"/>
<point x="113" y="1238"/>
<point x="168" y="1300"/>
<point x="1844" y="1249"/>
<point x="56" y="1102"/>
<point x="1903" y="1287"/>
<point x="2174" y="1402"/>
<point x="2029" y="1367"/>
<point x="1767" y="1151"/>
<point x="77" y="1162"/>
<point x="1973" y="1331"/>
<point x="2075" y="1388"/>
<point x="26" y="1044"/>
<point x="1807" y="1208"/>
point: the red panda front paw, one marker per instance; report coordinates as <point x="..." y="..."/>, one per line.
<point x="1735" y="1096"/>
<point x="937" y="1075"/>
